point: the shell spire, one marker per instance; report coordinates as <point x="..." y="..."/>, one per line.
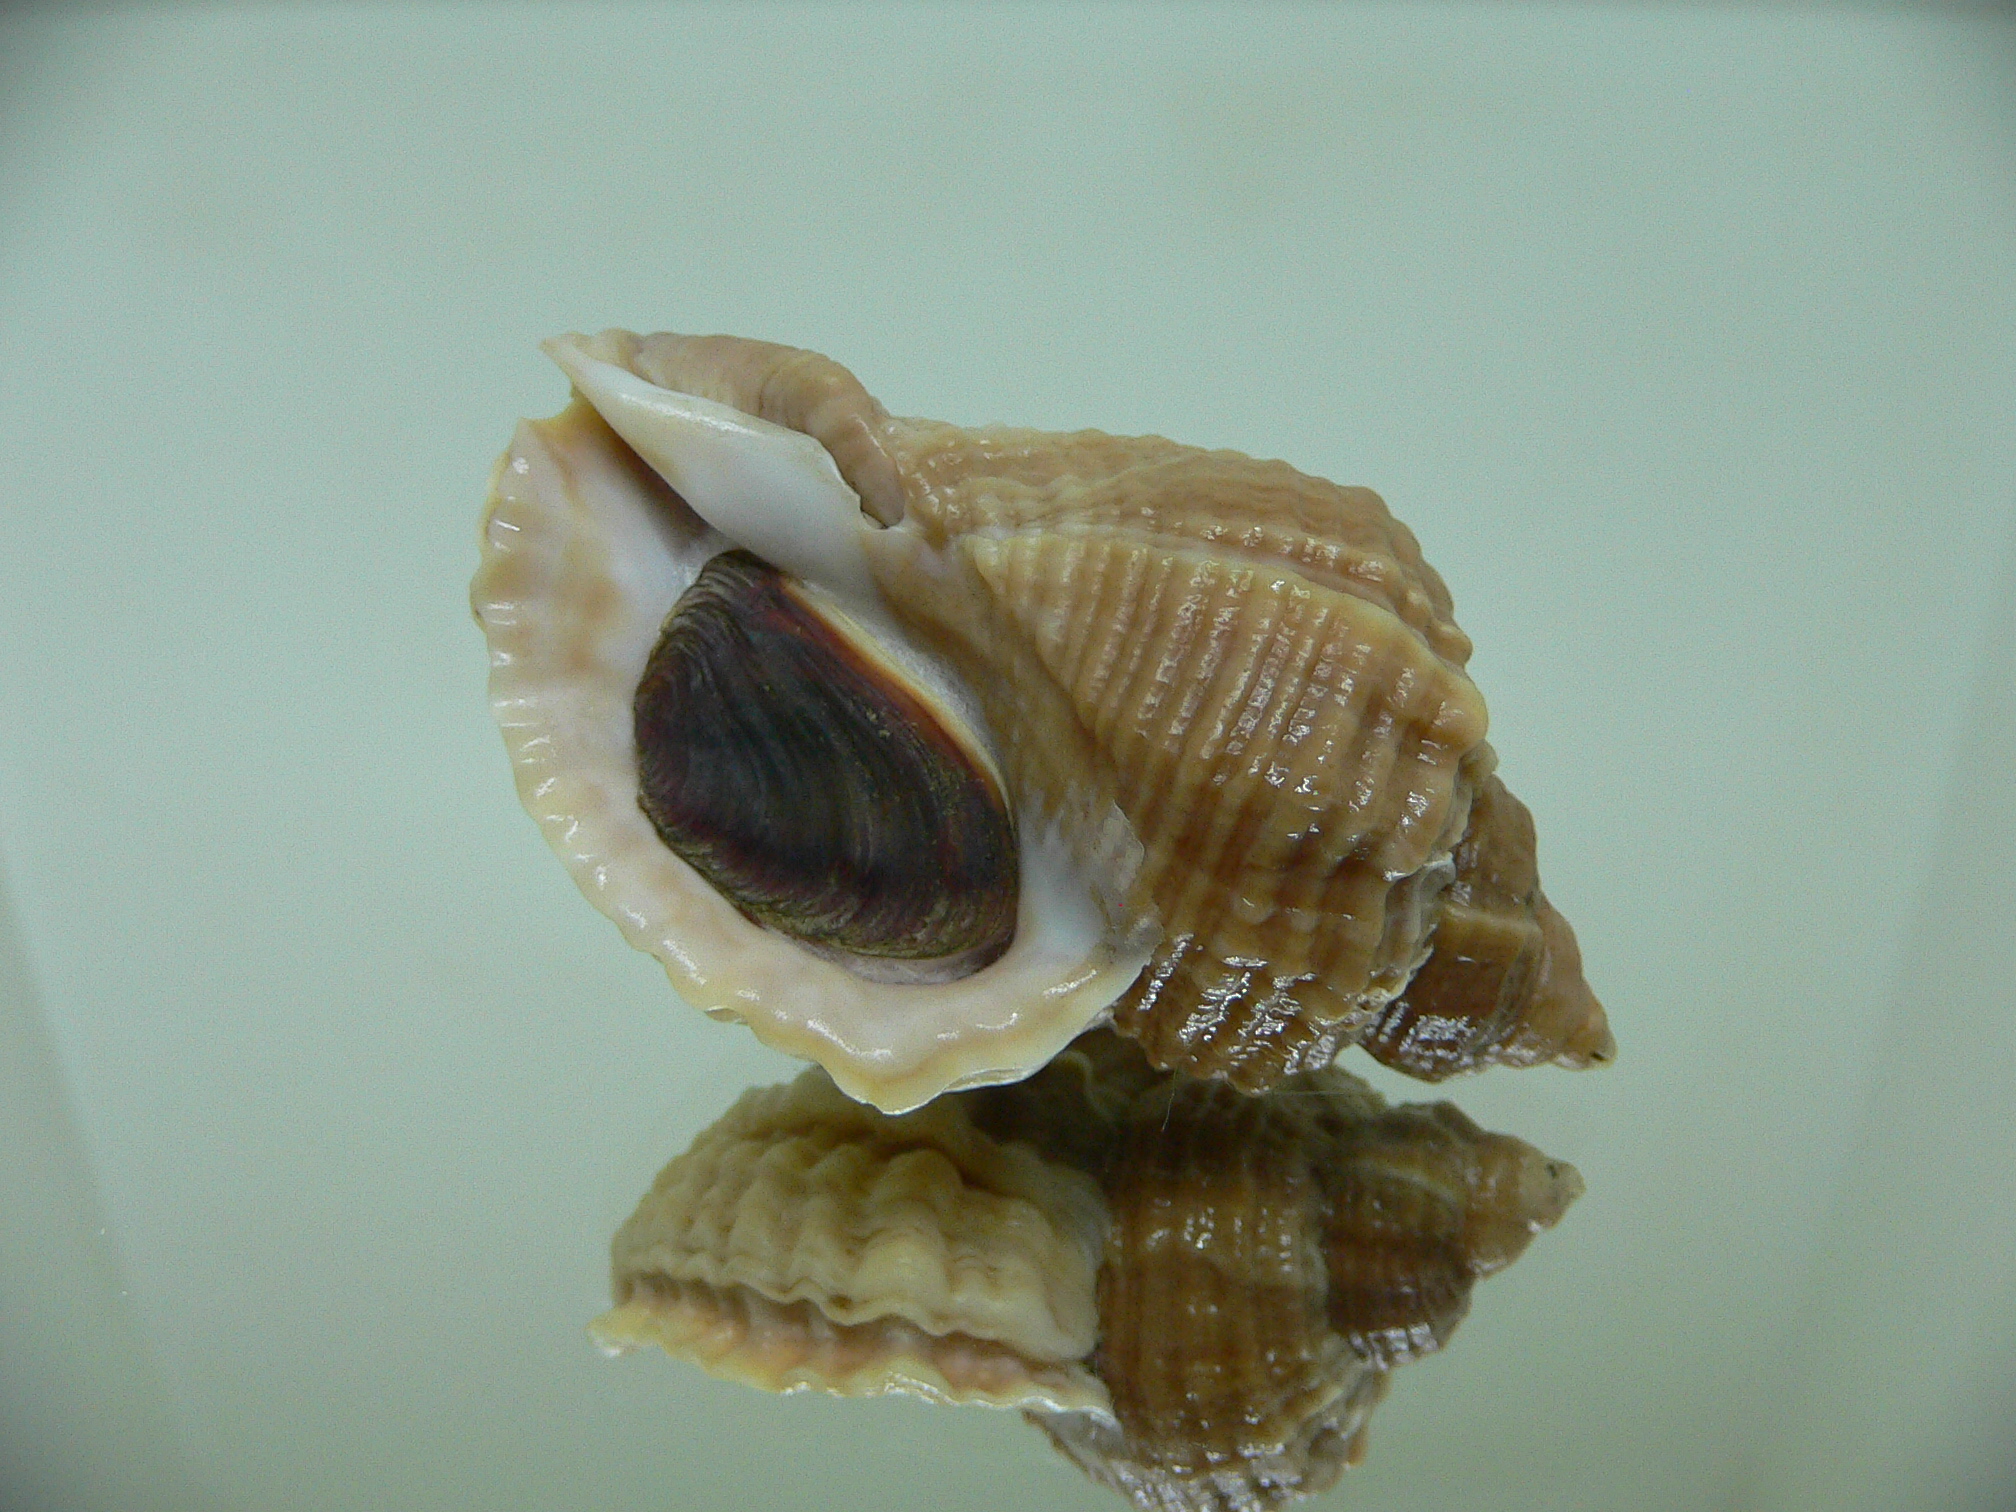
<point x="1270" y="1260"/>
<point x="1503" y="984"/>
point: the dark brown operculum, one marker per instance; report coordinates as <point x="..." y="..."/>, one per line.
<point x="1503" y="982"/>
<point x="810" y="788"/>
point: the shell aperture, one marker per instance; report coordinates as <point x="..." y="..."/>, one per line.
<point x="814" y="790"/>
<point x="586" y="551"/>
<point x="1199" y="1296"/>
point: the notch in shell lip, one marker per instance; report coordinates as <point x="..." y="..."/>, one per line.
<point x="774" y="491"/>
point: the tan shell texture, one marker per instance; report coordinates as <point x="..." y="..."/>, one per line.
<point x="1504" y="983"/>
<point x="1234" y="692"/>
<point x="1196" y="1294"/>
<point x="1269" y="1260"/>
<point x="1281" y="715"/>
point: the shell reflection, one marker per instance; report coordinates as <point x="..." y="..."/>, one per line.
<point x="1199" y="1296"/>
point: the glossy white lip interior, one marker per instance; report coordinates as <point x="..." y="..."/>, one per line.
<point x="771" y="490"/>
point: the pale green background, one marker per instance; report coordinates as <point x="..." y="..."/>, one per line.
<point x="1684" y="338"/>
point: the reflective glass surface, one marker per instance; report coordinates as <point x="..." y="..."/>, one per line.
<point x="1683" y="340"/>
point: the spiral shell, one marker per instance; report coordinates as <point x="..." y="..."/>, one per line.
<point x="1504" y="983"/>
<point x="1225" y="701"/>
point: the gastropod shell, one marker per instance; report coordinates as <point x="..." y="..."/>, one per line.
<point x="921" y="749"/>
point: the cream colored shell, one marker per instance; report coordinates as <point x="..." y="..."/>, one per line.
<point x="585" y="551"/>
<point x="805" y="1240"/>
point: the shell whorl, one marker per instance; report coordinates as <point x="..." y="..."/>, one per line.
<point x="805" y="1239"/>
<point x="1253" y="666"/>
<point x="1504" y="983"/>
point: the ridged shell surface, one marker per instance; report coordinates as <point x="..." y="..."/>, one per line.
<point x="1252" y="665"/>
<point x="1269" y="1259"/>
<point x="1503" y="984"/>
<point x="807" y="1240"/>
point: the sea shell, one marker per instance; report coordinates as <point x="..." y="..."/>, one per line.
<point x="587" y="550"/>
<point x="1223" y="705"/>
<point x="1198" y="1295"/>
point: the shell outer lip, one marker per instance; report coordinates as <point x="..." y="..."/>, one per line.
<point x="981" y="1030"/>
<point x="1049" y="1387"/>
